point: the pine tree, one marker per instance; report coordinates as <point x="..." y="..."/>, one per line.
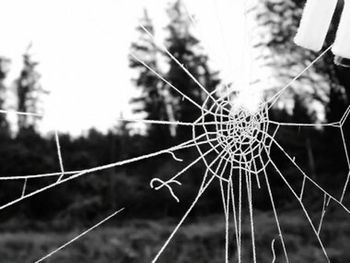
<point x="4" y="67"/>
<point x="277" y="23"/>
<point x="154" y="100"/>
<point x="158" y="100"/>
<point x="29" y="92"/>
<point x="187" y="50"/>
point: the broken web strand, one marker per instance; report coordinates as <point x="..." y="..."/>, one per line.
<point x="273" y="250"/>
<point x="203" y="187"/>
<point x="173" y="179"/>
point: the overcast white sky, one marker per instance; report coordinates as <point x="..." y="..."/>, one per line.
<point x="82" y="47"/>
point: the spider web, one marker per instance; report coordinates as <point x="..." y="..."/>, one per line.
<point x="241" y="141"/>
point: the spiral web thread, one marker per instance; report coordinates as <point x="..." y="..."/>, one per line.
<point x="239" y="139"/>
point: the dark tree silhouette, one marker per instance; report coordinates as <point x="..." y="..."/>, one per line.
<point x="29" y="92"/>
<point x="187" y="50"/>
<point x="154" y="100"/>
<point x="157" y="100"/>
<point x="4" y="67"/>
<point x="325" y="82"/>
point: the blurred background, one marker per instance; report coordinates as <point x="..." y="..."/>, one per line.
<point x="70" y="62"/>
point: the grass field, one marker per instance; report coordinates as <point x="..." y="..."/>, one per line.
<point x="200" y="241"/>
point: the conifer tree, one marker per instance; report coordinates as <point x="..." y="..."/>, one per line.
<point x="187" y="50"/>
<point x="157" y="99"/>
<point x="4" y="67"/>
<point x="29" y="91"/>
<point x="325" y="82"/>
<point x="154" y="100"/>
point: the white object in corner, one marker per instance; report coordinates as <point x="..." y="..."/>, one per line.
<point x="315" y="23"/>
<point x="341" y="45"/>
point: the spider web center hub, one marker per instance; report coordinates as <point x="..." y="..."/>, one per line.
<point x="236" y="135"/>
